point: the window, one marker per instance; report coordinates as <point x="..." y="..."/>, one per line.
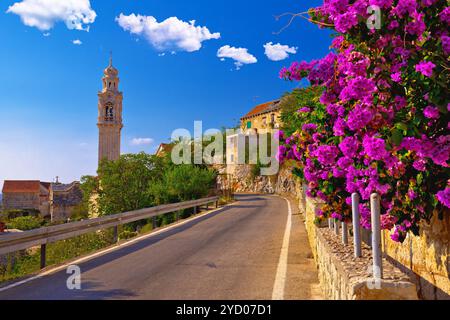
<point x="109" y="112"/>
<point x="264" y="121"/>
<point x="249" y="124"/>
<point x="272" y="118"/>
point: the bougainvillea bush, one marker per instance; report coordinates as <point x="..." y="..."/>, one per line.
<point x="382" y="125"/>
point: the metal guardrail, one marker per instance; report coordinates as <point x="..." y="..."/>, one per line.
<point x="42" y="236"/>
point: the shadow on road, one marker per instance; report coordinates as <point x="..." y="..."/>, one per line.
<point x="90" y="290"/>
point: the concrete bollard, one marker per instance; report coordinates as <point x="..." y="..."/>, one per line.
<point x="330" y="223"/>
<point x="336" y="228"/>
<point x="344" y="233"/>
<point x="356" y="226"/>
<point x="376" y="236"/>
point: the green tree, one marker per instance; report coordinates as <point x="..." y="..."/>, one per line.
<point x="183" y="183"/>
<point x="89" y="186"/>
<point x="123" y="184"/>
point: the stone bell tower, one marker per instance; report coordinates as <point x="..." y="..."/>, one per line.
<point x="109" y="115"/>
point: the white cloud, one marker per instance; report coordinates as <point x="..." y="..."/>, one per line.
<point x="77" y="42"/>
<point x="171" y="34"/>
<point x="141" y="141"/>
<point x="241" y="56"/>
<point x="43" y="14"/>
<point x="278" y="52"/>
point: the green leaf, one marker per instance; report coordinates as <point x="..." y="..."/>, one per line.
<point x="419" y="179"/>
<point x="401" y="126"/>
<point x="397" y="137"/>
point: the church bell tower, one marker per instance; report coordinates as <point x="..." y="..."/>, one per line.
<point x="109" y="115"/>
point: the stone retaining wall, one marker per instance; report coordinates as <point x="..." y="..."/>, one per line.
<point x="343" y="277"/>
<point x="426" y="258"/>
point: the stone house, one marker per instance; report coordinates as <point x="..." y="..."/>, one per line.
<point x="52" y="200"/>
<point x="25" y="195"/>
<point x="63" y="199"/>
<point x="262" y="119"/>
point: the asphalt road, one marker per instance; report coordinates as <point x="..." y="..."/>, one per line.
<point x="230" y="254"/>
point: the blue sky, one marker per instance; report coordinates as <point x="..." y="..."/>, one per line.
<point x="48" y="84"/>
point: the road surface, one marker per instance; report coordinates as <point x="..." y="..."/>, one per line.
<point x="233" y="253"/>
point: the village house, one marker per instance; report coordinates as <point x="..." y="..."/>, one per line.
<point x="50" y="200"/>
<point x="63" y="199"/>
<point x="262" y="119"/>
<point x="27" y="195"/>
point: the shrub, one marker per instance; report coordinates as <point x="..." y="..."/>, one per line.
<point x="146" y="228"/>
<point x="382" y="122"/>
<point x="25" y="223"/>
<point x="127" y="234"/>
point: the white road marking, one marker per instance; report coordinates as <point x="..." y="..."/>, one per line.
<point x="103" y="252"/>
<point x="280" y="278"/>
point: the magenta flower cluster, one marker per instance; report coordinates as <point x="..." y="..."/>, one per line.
<point x="385" y="99"/>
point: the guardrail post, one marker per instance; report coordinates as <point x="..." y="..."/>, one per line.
<point x="344" y="233"/>
<point x="154" y="222"/>
<point x="336" y="228"/>
<point x="43" y="255"/>
<point x="217" y="204"/>
<point x="195" y="210"/>
<point x="376" y="236"/>
<point x="356" y="226"/>
<point x="115" y="234"/>
<point x="207" y="206"/>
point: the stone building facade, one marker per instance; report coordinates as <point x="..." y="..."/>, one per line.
<point x="63" y="199"/>
<point x="263" y="118"/>
<point x="110" y="115"/>
<point x="51" y="200"/>
<point x="25" y="195"/>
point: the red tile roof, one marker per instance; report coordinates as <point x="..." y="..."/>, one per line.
<point x="21" y="186"/>
<point x="262" y="108"/>
<point x="164" y="148"/>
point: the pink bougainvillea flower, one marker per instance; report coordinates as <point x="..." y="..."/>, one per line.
<point x="431" y="112"/>
<point x="304" y="110"/>
<point x="396" y="77"/>
<point x="425" y="68"/>
<point x="444" y="197"/>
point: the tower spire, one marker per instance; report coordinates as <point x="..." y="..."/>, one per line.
<point x="110" y="58"/>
